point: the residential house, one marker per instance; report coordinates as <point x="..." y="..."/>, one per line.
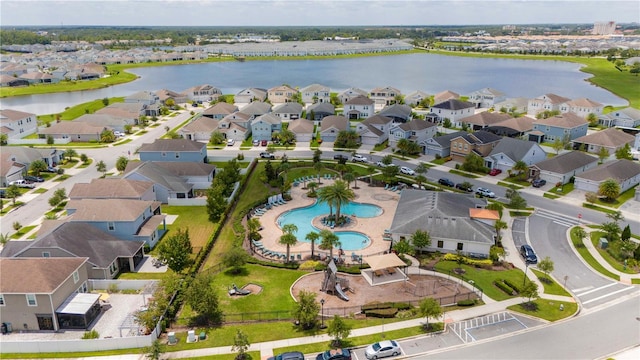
<point x="567" y="126"/>
<point x="441" y="145"/>
<point x="114" y="188"/>
<point x="486" y="98"/>
<point x="126" y="219"/>
<point x="416" y="97"/>
<point x="174" y="150"/>
<point x="249" y="95"/>
<point x="509" y="151"/>
<point x="112" y="122"/>
<point x="480" y="143"/>
<point x="54" y="297"/>
<point x="10" y="81"/>
<point x="331" y="127"/>
<point x="455" y="222"/>
<point x="236" y="126"/>
<point x="627" y="117"/>
<point x="107" y="255"/>
<point x="203" y="93"/>
<point x="383" y="96"/>
<point x="142" y="97"/>
<point x="288" y="111"/>
<point x="318" y="111"/>
<point x="611" y="139"/>
<point x="454" y="110"/>
<point x="197" y="174"/>
<point x="37" y="77"/>
<point x="17" y="124"/>
<point x="519" y="105"/>
<point x="483" y="120"/>
<point x="265" y="125"/>
<point x="282" y="94"/>
<point x="374" y="130"/>
<point x="315" y="93"/>
<point x="26" y="155"/>
<point x="351" y="93"/>
<point x="359" y="107"/>
<point x="512" y="127"/>
<point x="10" y="170"/>
<point x="167" y="185"/>
<point x="398" y="112"/>
<point x="164" y="95"/>
<point x="302" y="129"/>
<point x="256" y="109"/>
<point x="132" y="111"/>
<point x="219" y="110"/>
<point x="199" y="129"/>
<point x="416" y="130"/>
<point x="561" y="168"/>
<point x="582" y="107"/>
<point x="625" y="172"/>
<point x="445" y="96"/>
<point x="74" y="131"/>
<point x="546" y="102"/>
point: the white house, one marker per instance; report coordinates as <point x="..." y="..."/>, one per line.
<point x="17" y="124"/>
<point x="624" y="172"/>
<point x="582" y="107"/>
<point x="486" y="98"/>
<point x="315" y="93"/>
<point x="454" y="110"/>
<point x="359" y="107"/>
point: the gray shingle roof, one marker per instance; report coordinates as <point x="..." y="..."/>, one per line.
<point x="619" y="170"/>
<point x="515" y="149"/>
<point x="110" y="188"/>
<point x="45" y="274"/>
<point x="159" y="175"/>
<point x="288" y="108"/>
<point x="182" y="145"/>
<point x="445" y="140"/>
<point x="566" y="162"/>
<point x="360" y="100"/>
<point x="322" y="107"/>
<point x="454" y="104"/>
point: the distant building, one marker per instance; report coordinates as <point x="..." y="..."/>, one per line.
<point x="604" y="28"/>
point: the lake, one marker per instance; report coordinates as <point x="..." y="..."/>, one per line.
<point x="431" y="73"/>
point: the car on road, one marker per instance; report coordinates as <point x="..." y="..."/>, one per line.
<point x="464" y="187"/>
<point x="382" y="349"/>
<point x="484" y="192"/>
<point x="381" y="164"/>
<point x="528" y="254"/>
<point x="495" y="172"/>
<point x="407" y="171"/>
<point x="335" y="354"/>
<point x="359" y="158"/>
<point x="290" y="355"/>
<point x="539" y="183"/>
<point x="33" y="178"/>
<point x="340" y="157"/>
<point x="230" y="142"/>
<point x="23" y="184"/>
<point x="446" y="182"/>
<point x="255" y="142"/>
<point x="267" y="155"/>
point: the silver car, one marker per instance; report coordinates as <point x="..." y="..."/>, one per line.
<point x="382" y="349"/>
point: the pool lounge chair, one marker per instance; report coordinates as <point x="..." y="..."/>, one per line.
<point x="386" y="186"/>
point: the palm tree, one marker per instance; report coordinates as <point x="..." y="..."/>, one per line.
<point x="312" y="237"/>
<point x="499" y="225"/>
<point x="421" y="169"/>
<point x="521" y="167"/>
<point x="341" y="194"/>
<point x="329" y="241"/>
<point x="325" y="195"/>
<point x="349" y="177"/>
<point x="288" y="238"/>
<point x="318" y="167"/>
<point x="420" y="179"/>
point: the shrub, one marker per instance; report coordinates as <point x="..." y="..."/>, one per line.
<point x="468" y="261"/>
<point x="60" y="171"/>
<point x="375" y="305"/>
<point x="438" y="156"/>
<point x="382" y="313"/>
<point x="402" y="306"/>
<point x="468" y="302"/>
<point x="90" y="335"/>
<point x="309" y="265"/>
<point x="502" y="286"/>
<point x="515" y="287"/>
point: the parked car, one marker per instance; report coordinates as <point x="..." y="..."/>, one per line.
<point x="230" y="142"/>
<point x="267" y="155"/>
<point x="382" y="349"/>
<point x="291" y="355"/>
<point x="255" y="142"/>
<point x="359" y="158"/>
<point x="381" y="164"/>
<point x="118" y="134"/>
<point x="495" y="172"/>
<point x="464" y="187"/>
<point x="51" y="169"/>
<point x="528" y="254"/>
<point x="483" y="192"/>
<point x="446" y="182"/>
<point x="335" y="354"/>
<point x="407" y="171"/>
<point x="539" y="183"/>
<point x="23" y="184"/>
<point x="33" y="178"/>
<point x="340" y="157"/>
<point x="263" y="143"/>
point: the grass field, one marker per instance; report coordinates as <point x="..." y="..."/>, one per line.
<point x="578" y="244"/>
<point x="547" y="309"/>
<point x="193" y="218"/>
<point x="552" y="288"/>
<point x="484" y="278"/>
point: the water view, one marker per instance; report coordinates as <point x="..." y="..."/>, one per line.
<point x="427" y="72"/>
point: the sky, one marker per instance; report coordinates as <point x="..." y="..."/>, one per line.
<point x="313" y="12"/>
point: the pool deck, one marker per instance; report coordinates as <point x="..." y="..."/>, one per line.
<point x="373" y="227"/>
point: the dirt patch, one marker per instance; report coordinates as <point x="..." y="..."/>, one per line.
<point x="385" y="197"/>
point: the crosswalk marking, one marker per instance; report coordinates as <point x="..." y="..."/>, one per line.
<point x="557" y="218"/>
<point x="607" y="295"/>
<point x="598" y="289"/>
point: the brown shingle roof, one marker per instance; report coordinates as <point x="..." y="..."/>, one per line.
<point x="567" y="120"/>
<point x="610" y="137"/>
<point x="109" y="209"/>
<point x="301" y="126"/>
<point x="486" y="118"/>
<point x="110" y="188"/>
<point x="45" y="274"/>
<point x="173" y="145"/>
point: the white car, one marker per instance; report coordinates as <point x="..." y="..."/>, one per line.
<point x="118" y="134"/>
<point x="382" y="349"/>
<point x="381" y="164"/>
<point x="485" y="192"/>
<point x="23" y="184"/>
<point x="407" y="171"/>
<point x="230" y="142"/>
<point x="358" y="158"/>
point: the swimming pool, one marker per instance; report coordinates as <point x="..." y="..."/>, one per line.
<point x="350" y="240"/>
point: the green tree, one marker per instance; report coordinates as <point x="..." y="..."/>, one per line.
<point x="4" y="239"/>
<point x="446" y="123"/>
<point x="626" y="233"/>
<point x="387" y="160"/>
<point x="121" y="163"/>
<point x="603" y="154"/>
<point x="422" y="168"/>
<point x="16" y="226"/>
<point x="105" y="101"/>
<point x="473" y="163"/>
<point x="611" y="230"/>
<point x="4" y="139"/>
<point x="288" y="238"/>
<point x="107" y="136"/>
<point x="217" y="138"/>
<point x="402" y="247"/>
<point x="529" y="291"/>
<point x="521" y="167"/>
<point x="156" y="349"/>
<point x="516" y="201"/>
<point x="557" y="145"/>
<point x="591" y="197"/>
<point x="347" y="139"/>
<point x="430" y="308"/>
<point x="580" y="233"/>
<point x="101" y="167"/>
<point x="339" y="330"/>
<point x="306" y="310"/>
<point x="495" y="253"/>
<point x="421" y="239"/>
<point x="240" y="345"/>
<point x="70" y="154"/>
<point x="329" y="241"/>
<point x="201" y="297"/>
<point x="13" y="192"/>
<point x="216" y="202"/>
<point x="615" y="216"/>
<point x="254" y="225"/>
<point x="128" y="128"/>
<point x="389" y="173"/>
<point x="546" y="266"/>
<point x="312" y="237"/>
<point x="235" y="258"/>
<point x="84" y="158"/>
<point x="498" y="226"/>
<point x="317" y="156"/>
<point x="176" y="251"/>
<point x="349" y="177"/>
<point x="420" y="179"/>
<point x="627" y="248"/>
<point x="38" y="166"/>
<point x="610" y="189"/>
<point x="158" y="303"/>
<point x="407" y="147"/>
<point x="624" y="152"/>
<point x="50" y="140"/>
<point x="592" y="119"/>
<point x="58" y="197"/>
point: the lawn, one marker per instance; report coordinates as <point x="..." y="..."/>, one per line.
<point x="23" y="231"/>
<point x="578" y="244"/>
<point x="598" y="208"/>
<point x="193" y="218"/>
<point x="483" y="278"/>
<point x="76" y="111"/>
<point x="517" y="181"/>
<point x="552" y="288"/>
<point x="464" y="173"/>
<point x="563" y="189"/>
<point x="619" y="200"/>
<point x="595" y="237"/>
<point x="510" y="185"/>
<point x="547" y="309"/>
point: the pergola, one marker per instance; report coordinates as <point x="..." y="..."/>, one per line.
<point x="383" y="269"/>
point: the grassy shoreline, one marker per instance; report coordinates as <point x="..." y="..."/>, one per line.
<point x="605" y="75"/>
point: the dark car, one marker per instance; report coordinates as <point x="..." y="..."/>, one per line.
<point x="335" y="354"/>
<point x="291" y="355"/>
<point x="539" y="182"/>
<point x="465" y="187"/>
<point x="34" y="178"/>
<point x="340" y="157"/>
<point x="528" y="254"/>
<point x="446" y="182"/>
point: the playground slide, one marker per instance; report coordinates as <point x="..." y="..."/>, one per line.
<point x="341" y="294"/>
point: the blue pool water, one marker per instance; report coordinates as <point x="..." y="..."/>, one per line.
<point x="350" y="240"/>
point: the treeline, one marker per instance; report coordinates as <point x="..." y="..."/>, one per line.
<point x="22" y="37"/>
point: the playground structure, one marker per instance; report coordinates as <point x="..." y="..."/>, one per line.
<point x="235" y="291"/>
<point x="334" y="284"/>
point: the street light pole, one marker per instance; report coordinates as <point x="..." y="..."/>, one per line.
<point x="526" y="267"/>
<point x="322" y="313"/>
